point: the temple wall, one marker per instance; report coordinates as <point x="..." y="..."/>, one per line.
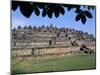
<point x="48" y="51"/>
<point x="43" y="51"/>
<point x="47" y="41"/>
<point x="58" y="50"/>
<point x="92" y="48"/>
<point x="21" y="52"/>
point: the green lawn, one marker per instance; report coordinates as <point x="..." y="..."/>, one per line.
<point x="64" y="63"/>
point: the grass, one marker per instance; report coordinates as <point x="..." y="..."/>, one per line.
<point x="65" y="63"/>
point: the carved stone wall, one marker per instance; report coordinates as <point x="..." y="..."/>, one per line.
<point x="49" y="41"/>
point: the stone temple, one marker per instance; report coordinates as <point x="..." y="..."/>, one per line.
<point x="43" y="41"/>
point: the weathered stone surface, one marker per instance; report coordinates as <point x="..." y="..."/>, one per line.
<point x="42" y="41"/>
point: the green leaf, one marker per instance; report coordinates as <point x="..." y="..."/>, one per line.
<point x="69" y="8"/>
<point x="78" y="11"/>
<point x="44" y="13"/>
<point x="88" y="14"/>
<point x="37" y="12"/>
<point x="92" y="7"/>
<point x="49" y="12"/>
<point x="89" y="7"/>
<point x="78" y="17"/>
<point x="15" y="5"/>
<point x="62" y="10"/>
<point x="83" y="19"/>
<point x="26" y="9"/>
<point x="56" y="12"/>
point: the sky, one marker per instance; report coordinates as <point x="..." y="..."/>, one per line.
<point x="67" y="20"/>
